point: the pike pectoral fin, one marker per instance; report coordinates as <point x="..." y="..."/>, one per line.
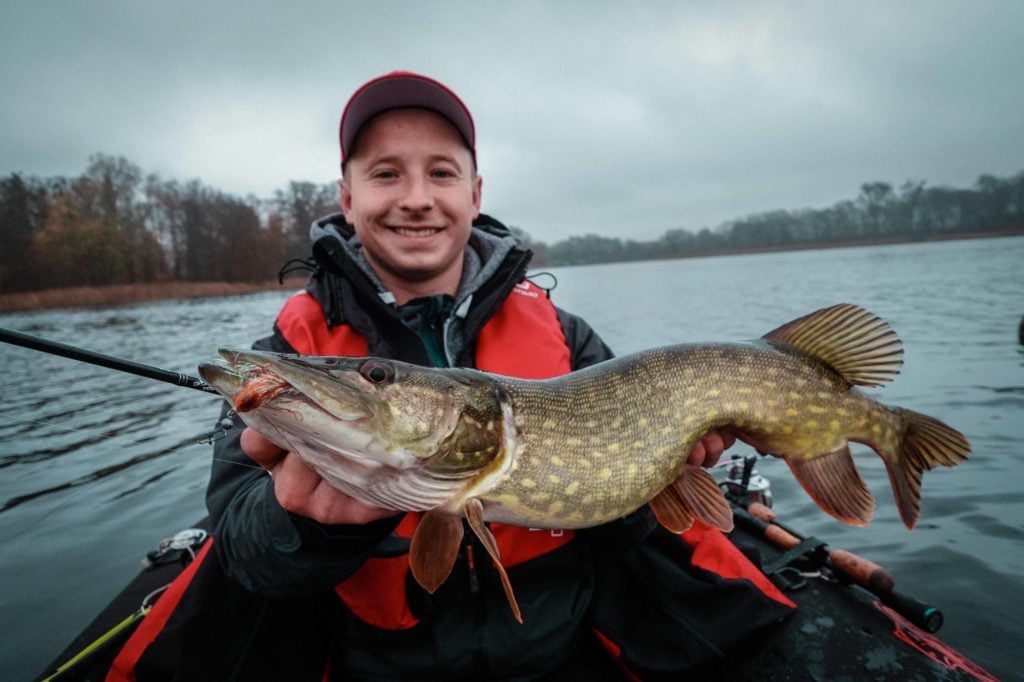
<point x="435" y="544"/>
<point x="833" y="483"/>
<point x="475" y="516"/>
<point x="671" y="510"/>
<point x="695" y="494"/>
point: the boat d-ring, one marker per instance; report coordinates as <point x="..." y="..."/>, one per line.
<point x="176" y="547"/>
<point x="791" y="579"/>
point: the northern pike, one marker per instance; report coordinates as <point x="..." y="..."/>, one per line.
<point x="594" y="445"/>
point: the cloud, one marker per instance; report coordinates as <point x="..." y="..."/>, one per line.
<point x="593" y="117"/>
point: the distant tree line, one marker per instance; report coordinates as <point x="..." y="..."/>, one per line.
<point x="880" y="213"/>
<point x="116" y="225"/>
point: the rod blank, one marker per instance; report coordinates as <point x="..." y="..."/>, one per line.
<point x="108" y="361"/>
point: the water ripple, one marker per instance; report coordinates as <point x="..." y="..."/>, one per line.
<point x="102" y="473"/>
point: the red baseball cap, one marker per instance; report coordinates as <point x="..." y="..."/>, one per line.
<point x="403" y="89"/>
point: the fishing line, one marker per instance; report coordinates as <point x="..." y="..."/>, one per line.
<point x="39" y="422"/>
<point x="202" y="440"/>
<point x="206" y="439"/>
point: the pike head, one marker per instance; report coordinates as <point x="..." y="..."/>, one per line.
<point x="390" y="434"/>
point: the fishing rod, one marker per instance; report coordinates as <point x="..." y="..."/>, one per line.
<point x="869" y="575"/>
<point x="108" y="361"/>
<point x="749" y="494"/>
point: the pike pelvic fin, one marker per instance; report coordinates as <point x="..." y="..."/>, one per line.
<point x="927" y="442"/>
<point x="832" y="481"/>
<point x="433" y="549"/>
<point x="857" y="344"/>
<point x="475" y="517"/>
<point x="695" y="494"/>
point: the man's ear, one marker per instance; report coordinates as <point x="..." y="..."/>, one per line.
<point x="478" y="188"/>
<point x="345" y="197"/>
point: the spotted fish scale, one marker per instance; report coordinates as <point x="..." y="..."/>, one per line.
<point x="596" y="444"/>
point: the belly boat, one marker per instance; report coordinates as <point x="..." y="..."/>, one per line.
<point x="850" y="623"/>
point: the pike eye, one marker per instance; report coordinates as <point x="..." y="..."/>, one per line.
<point x="377" y="372"/>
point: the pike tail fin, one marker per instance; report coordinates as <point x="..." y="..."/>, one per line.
<point x="927" y="442"/>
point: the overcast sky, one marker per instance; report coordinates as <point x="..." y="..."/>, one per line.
<point x="621" y="119"/>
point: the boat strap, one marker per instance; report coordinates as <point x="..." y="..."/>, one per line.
<point x="811" y="553"/>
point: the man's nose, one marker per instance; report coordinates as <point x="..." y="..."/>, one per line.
<point x="418" y="195"/>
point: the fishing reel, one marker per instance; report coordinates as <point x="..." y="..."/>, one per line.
<point x="741" y="481"/>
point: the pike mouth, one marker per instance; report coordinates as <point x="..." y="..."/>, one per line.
<point x="251" y="379"/>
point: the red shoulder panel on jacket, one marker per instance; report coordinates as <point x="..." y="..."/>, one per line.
<point x="304" y="326"/>
<point x="524" y="338"/>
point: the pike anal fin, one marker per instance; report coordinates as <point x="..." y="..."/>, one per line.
<point x="832" y="481"/>
<point x="434" y="547"/>
<point x="695" y="494"/>
<point x="475" y="516"/>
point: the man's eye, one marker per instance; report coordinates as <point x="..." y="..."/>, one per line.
<point x="385" y="175"/>
<point x="443" y="173"/>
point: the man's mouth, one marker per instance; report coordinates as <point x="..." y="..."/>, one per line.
<point x="419" y="232"/>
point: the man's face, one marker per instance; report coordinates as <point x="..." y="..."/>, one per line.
<point x="412" y="194"/>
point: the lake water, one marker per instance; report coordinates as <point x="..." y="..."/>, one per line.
<point x="96" y="467"/>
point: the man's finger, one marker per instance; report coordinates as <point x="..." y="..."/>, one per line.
<point x="709" y="449"/>
<point x="261" y="450"/>
<point x="294" y="483"/>
<point x="697" y="454"/>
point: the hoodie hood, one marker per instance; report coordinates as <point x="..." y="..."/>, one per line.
<point x="494" y="262"/>
<point x="489" y="244"/>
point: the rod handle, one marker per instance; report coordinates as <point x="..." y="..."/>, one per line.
<point x="864" y="571"/>
<point x="924" y="616"/>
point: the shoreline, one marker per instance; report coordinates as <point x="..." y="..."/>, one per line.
<point x="893" y="241"/>
<point x="814" y="246"/>
<point x="129" y="294"/>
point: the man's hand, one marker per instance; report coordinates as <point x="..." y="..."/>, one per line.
<point x="709" y="449"/>
<point x="301" y="491"/>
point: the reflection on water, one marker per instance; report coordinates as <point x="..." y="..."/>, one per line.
<point x="96" y="467"/>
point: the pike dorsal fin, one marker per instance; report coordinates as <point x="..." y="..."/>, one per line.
<point x="857" y="344"/>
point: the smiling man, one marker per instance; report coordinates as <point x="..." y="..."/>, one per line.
<point x="412" y="270"/>
<point x="412" y="193"/>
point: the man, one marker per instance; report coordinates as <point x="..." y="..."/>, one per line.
<point x="412" y="270"/>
